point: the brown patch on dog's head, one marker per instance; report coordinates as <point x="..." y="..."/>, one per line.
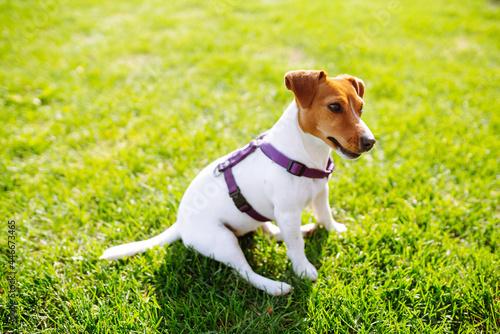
<point x="330" y="109"/>
<point x="357" y="83"/>
<point x="304" y="84"/>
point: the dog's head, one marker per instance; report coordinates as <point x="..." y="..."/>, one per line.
<point x="330" y="109"/>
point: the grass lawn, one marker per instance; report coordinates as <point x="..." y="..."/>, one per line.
<point x="109" y="108"/>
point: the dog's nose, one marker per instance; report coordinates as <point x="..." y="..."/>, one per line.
<point x="367" y="143"/>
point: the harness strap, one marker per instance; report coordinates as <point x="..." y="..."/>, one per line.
<point x="239" y="200"/>
<point x="234" y="191"/>
<point x="293" y="167"/>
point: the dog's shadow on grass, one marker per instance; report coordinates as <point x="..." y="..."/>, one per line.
<point x="199" y="294"/>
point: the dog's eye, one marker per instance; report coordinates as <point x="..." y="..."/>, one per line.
<point x="361" y="110"/>
<point x="335" y="107"/>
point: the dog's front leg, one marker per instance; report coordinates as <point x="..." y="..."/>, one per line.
<point x="289" y="224"/>
<point x="323" y="212"/>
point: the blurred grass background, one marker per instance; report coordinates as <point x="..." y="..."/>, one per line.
<point x="108" y="109"/>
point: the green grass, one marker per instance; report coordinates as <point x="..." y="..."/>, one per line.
<point x="108" y="109"/>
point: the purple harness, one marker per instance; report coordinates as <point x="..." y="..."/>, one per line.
<point x="293" y="167"/>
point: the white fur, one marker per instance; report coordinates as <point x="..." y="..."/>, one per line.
<point x="208" y="220"/>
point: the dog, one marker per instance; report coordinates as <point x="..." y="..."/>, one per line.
<point x="273" y="178"/>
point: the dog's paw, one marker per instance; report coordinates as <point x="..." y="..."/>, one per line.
<point x="308" y="229"/>
<point x="339" y="228"/>
<point x="306" y="270"/>
<point x="334" y="226"/>
<point x="278" y="288"/>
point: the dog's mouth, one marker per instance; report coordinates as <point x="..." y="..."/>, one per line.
<point x="346" y="152"/>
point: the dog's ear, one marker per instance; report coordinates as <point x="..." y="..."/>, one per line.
<point x="357" y="83"/>
<point x="304" y="84"/>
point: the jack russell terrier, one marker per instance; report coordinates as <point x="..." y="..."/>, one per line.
<point x="272" y="179"/>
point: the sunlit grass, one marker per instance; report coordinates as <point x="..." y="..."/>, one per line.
<point x="109" y="109"/>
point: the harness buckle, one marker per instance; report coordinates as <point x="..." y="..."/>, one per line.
<point x="240" y="201"/>
<point x="293" y="168"/>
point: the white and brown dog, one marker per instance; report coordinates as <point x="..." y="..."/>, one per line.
<point x="279" y="175"/>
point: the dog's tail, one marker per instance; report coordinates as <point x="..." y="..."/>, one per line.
<point x="169" y="236"/>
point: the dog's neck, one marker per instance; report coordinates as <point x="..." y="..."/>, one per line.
<point x="287" y="137"/>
